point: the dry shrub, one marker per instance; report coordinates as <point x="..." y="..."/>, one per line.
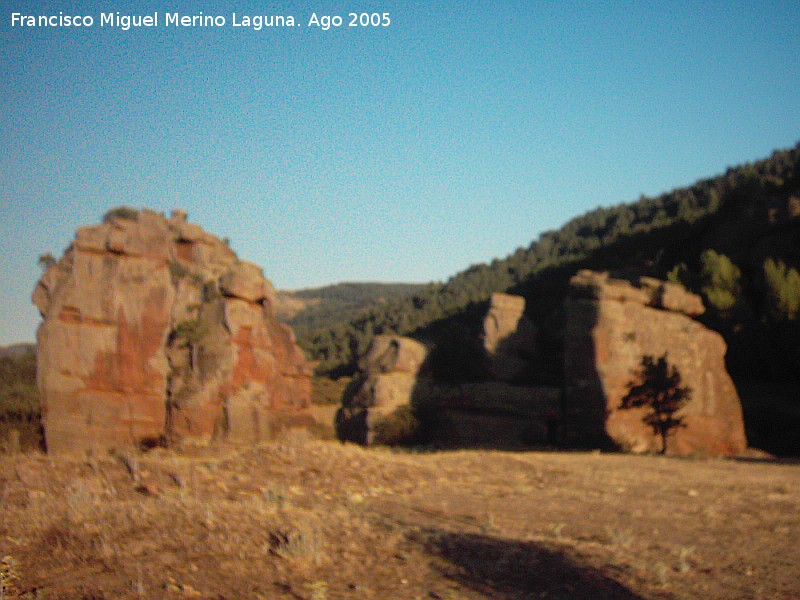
<point x="121" y="212"/>
<point x="65" y="539"/>
<point x="402" y="427"/>
<point x="303" y="542"/>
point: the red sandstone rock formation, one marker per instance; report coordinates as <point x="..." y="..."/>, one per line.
<point x="153" y="327"/>
<point x="611" y="325"/>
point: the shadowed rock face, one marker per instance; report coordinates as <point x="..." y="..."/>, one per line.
<point x="386" y="381"/>
<point x="611" y="325"/>
<point x="152" y="328"/>
<point x="393" y="376"/>
<point x="509" y="338"/>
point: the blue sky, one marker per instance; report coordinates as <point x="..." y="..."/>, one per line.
<point x="402" y="153"/>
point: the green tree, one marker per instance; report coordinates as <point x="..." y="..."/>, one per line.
<point x="721" y="281"/>
<point x="680" y="274"/>
<point x="191" y="333"/>
<point x="783" y="290"/>
<point x="657" y="386"/>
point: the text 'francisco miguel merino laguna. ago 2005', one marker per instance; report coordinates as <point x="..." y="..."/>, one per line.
<point x="175" y="19"/>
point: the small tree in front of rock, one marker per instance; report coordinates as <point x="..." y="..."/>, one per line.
<point x="657" y="386"/>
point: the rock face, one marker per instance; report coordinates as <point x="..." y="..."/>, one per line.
<point x="494" y="414"/>
<point x="508" y="337"/>
<point x="153" y="328"/>
<point x="393" y="378"/>
<point x="611" y="325"/>
<point x="386" y="380"/>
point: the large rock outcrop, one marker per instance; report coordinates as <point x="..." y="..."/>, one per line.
<point x="611" y="325"/>
<point x="386" y="381"/>
<point x="153" y="328"/>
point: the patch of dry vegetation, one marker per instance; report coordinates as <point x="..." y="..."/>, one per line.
<point x="320" y="520"/>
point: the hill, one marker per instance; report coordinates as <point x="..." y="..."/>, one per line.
<point x="313" y="520"/>
<point x="734" y="238"/>
<point x="312" y="309"/>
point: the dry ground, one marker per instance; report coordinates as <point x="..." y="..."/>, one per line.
<point x="304" y="519"/>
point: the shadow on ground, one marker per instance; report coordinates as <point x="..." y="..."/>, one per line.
<point x="507" y="569"/>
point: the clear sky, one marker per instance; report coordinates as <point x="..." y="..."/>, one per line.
<point x="403" y="153"/>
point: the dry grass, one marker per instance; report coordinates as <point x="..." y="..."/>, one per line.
<point x="318" y="520"/>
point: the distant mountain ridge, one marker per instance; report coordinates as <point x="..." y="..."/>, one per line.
<point x="314" y="308"/>
<point x="17" y="351"/>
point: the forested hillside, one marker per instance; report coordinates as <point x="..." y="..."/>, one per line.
<point x="734" y="238"/>
<point x="315" y="308"/>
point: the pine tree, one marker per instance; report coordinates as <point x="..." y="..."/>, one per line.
<point x="720" y="277"/>
<point x="680" y="275"/>
<point x="783" y="290"/>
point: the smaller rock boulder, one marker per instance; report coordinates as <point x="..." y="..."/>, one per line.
<point x="385" y="383"/>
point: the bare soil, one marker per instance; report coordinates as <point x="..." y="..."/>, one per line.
<point x="307" y="519"/>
